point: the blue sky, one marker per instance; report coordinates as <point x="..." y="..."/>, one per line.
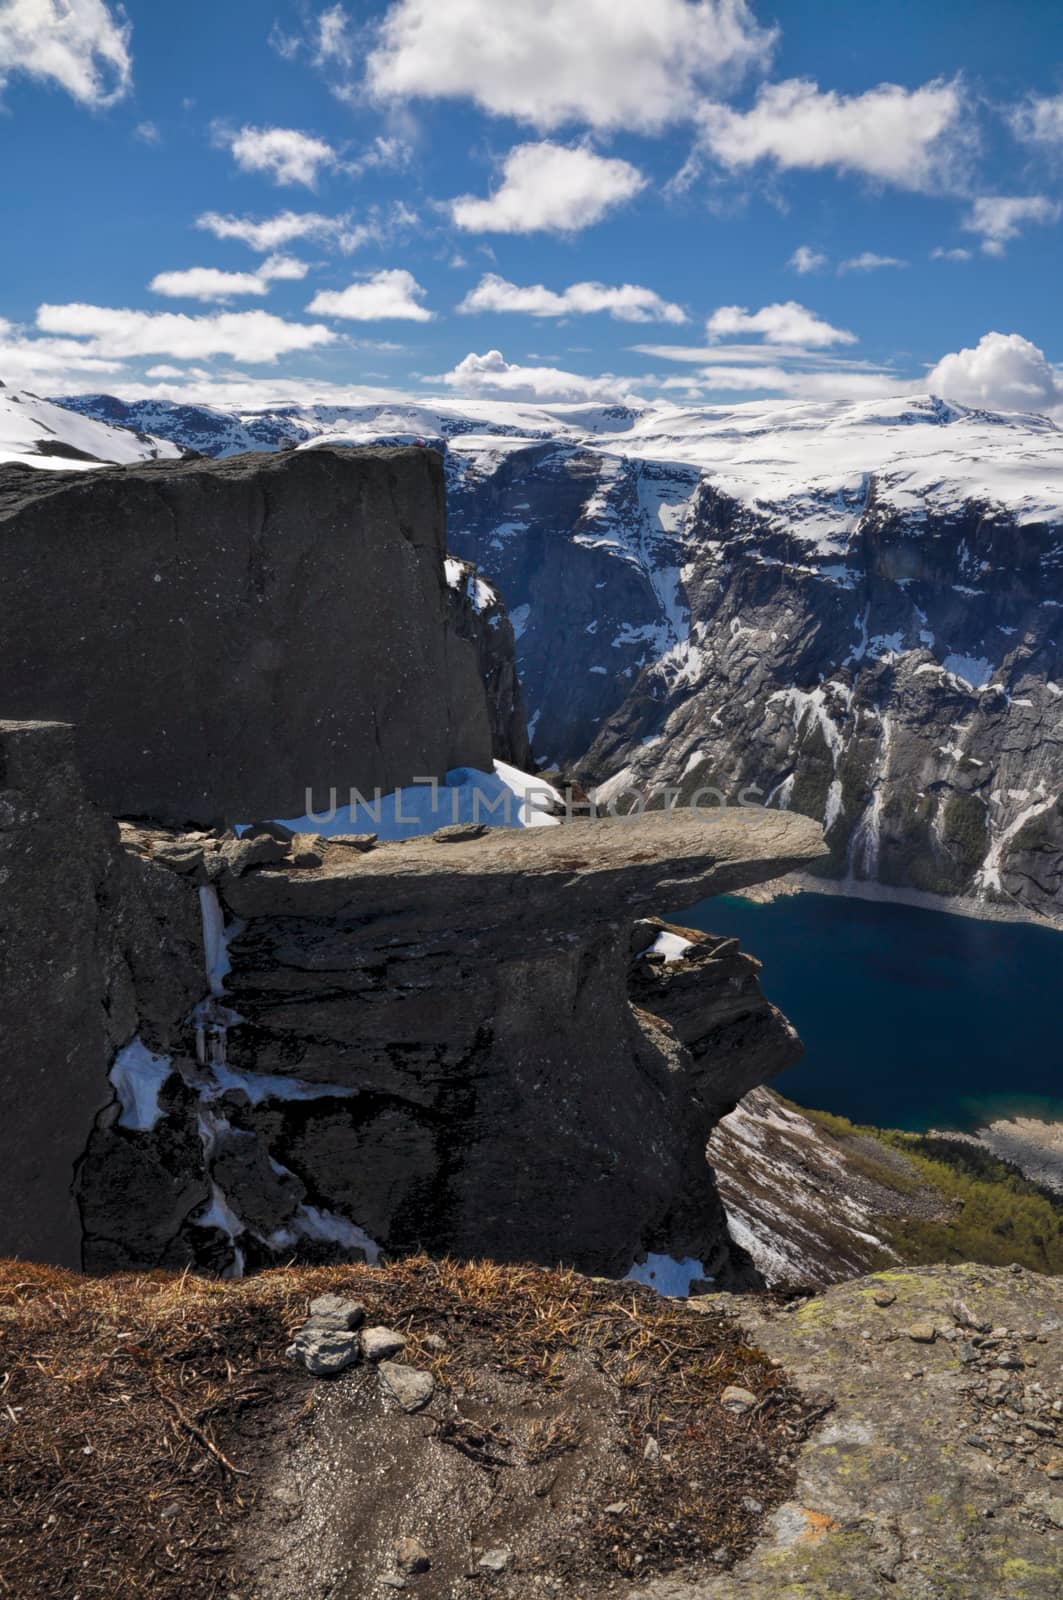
<point x="701" y="200"/>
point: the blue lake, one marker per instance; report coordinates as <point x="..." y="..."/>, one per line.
<point x="911" y="1019"/>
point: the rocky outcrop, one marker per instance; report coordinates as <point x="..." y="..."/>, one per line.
<point x="229" y="635"/>
<point x="94" y="944"/>
<point x="936" y="1469"/>
<point x="431" y="1045"/>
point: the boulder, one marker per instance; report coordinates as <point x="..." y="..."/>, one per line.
<point x="408" y="1387"/>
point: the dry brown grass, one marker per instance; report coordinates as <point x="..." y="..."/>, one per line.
<point x="132" y="1410"/>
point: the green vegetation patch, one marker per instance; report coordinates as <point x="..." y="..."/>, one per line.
<point x="989" y="1213"/>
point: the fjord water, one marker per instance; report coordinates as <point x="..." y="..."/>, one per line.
<point x="910" y="1018"/>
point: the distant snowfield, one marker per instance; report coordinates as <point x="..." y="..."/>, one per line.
<point x="810" y="464"/>
<point x="41" y="434"/>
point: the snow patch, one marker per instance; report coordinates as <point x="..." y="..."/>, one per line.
<point x="138" y="1076"/>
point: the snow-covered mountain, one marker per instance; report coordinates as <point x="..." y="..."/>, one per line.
<point x="848" y="608"/>
<point x="41" y="433"/>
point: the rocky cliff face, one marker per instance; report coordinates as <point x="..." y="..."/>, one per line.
<point x="433" y="1045"/>
<point x="852" y="608"/>
<point x="226" y="636"/>
<point x="94" y="944"/>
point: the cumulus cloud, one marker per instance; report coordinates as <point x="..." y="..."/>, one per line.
<point x="492" y="374"/>
<point x="868" y="261"/>
<point x="788" y="323"/>
<point x="50" y="364"/>
<point x="940" y="253"/>
<point x="1004" y="372"/>
<point x="628" y="302"/>
<point x="206" y="283"/>
<point x="210" y="283"/>
<point x="550" y="187"/>
<point x="1000" y="218"/>
<point x="393" y="293"/>
<point x="805" y="260"/>
<point x="1039" y="121"/>
<point x="79" y="45"/>
<point x="287" y="268"/>
<point x="638" y="66"/>
<point x="283" y="154"/>
<point x="113" y="332"/>
<point x="913" y="138"/>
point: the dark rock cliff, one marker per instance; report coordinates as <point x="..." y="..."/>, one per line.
<point x="226" y="635"/>
<point x="94" y="943"/>
<point x="433" y="1045"/>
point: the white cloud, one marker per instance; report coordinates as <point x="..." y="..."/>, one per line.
<point x="50" y="364"/>
<point x="1000" y="218"/>
<point x="833" y="384"/>
<point x="112" y="332"/>
<point x="940" y="253"/>
<point x="81" y="45"/>
<point x="629" y="65"/>
<point x="805" y="260"/>
<point x="271" y="232"/>
<point x="755" y="355"/>
<point x="383" y="154"/>
<point x="1004" y="372"/>
<point x="288" y="268"/>
<point x="1039" y="120"/>
<point x="628" y="302"/>
<point x="284" y="154"/>
<point x="492" y="374"/>
<point x="334" y="42"/>
<point x="550" y="187"/>
<point x="868" y="261"/>
<point x="342" y="232"/>
<point x="914" y="138"/>
<point x="206" y="283"/>
<point x="788" y="323"/>
<point x="210" y="283"/>
<point x="147" y="133"/>
<point x="392" y="293"/>
<point x="237" y="390"/>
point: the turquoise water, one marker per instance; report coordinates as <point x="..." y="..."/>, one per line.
<point x="911" y="1019"/>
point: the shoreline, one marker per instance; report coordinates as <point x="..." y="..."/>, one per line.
<point x="1032" y="1145"/>
<point x="919" y="899"/>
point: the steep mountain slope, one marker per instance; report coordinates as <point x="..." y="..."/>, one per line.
<point x="848" y="609"/>
<point x="42" y="434"/>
